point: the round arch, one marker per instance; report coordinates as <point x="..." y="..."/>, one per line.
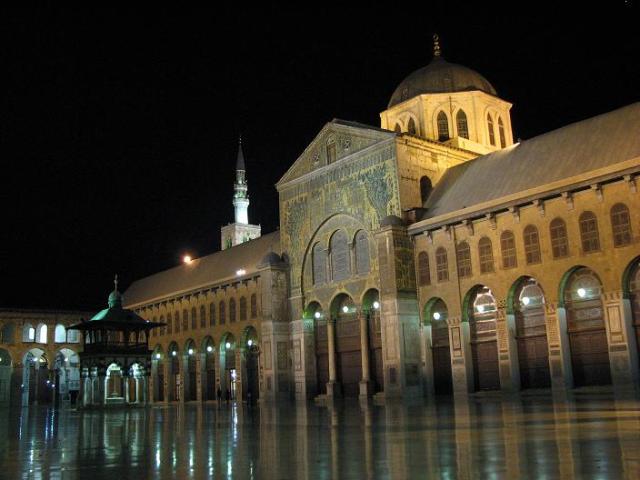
<point x="341" y="304"/>
<point x="580" y="293"/>
<point x="479" y="309"/>
<point x="249" y="338"/>
<point x="435" y="316"/>
<point x="208" y="345"/>
<point x="190" y="347"/>
<point x="627" y="276"/>
<point x="313" y="311"/>
<point x="5" y="358"/>
<point x="371" y="300"/>
<point x="158" y="353"/>
<point x="434" y="305"/>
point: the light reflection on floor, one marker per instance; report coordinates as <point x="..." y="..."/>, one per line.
<point x="587" y="436"/>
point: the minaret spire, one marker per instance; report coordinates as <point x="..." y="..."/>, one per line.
<point x="240" y="190"/>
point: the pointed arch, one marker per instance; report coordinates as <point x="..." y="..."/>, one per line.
<point x="443" y="126"/>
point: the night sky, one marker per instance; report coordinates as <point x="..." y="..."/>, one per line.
<point x="119" y="128"/>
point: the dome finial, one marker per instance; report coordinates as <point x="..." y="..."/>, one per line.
<point x="436" y="45"/>
<point x="115" y="298"/>
<point x="115" y="283"/>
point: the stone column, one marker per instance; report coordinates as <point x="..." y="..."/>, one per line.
<point x="507" y="349"/>
<point x="99" y="386"/>
<point x="333" y="389"/>
<point x="559" y="351"/>
<point x="218" y="373"/>
<point x="85" y="393"/>
<point x="426" y="355"/>
<point x="623" y="351"/>
<point x="199" y="362"/>
<point x="151" y="384"/>
<point x="184" y="364"/>
<point x="365" y="383"/>
<point x="461" y="359"/>
<point x="125" y="386"/>
<point x="240" y="367"/>
<point x="165" y="381"/>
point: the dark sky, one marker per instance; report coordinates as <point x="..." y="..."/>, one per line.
<point x="118" y="128"/>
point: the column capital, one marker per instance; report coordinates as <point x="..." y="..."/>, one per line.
<point x="612" y="296"/>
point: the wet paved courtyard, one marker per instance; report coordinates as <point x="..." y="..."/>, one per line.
<point x="586" y="436"/>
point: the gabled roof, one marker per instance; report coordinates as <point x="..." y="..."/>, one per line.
<point x="202" y="272"/>
<point x="578" y="148"/>
<point x="313" y="156"/>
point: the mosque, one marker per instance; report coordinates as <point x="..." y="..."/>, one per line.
<point x="428" y="255"/>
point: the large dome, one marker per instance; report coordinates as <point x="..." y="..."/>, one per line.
<point x="440" y="76"/>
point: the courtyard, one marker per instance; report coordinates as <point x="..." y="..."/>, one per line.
<point x="590" y="434"/>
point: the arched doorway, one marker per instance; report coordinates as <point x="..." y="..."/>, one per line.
<point x="632" y="287"/>
<point x="348" y="351"/>
<point x="157" y="371"/>
<point x="190" y="381"/>
<point x="174" y="372"/>
<point x="229" y="373"/>
<point x="436" y="314"/>
<point x="114" y="391"/>
<point x="251" y="352"/>
<point x="37" y="386"/>
<point x="209" y="370"/>
<point x="527" y="304"/>
<point x="585" y="324"/>
<point x="481" y="311"/>
<point x="67" y="375"/>
<point x="371" y="309"/>
<point x="6" y="370"/>
<point x="314" y="312"/>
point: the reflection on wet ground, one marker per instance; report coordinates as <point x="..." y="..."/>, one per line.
<point x="587" y="436"/>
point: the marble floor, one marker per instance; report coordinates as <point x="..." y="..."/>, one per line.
<point x="589" y="435"/>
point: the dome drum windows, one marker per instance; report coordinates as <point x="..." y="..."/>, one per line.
<point x="443" y="127"/>
<point x="461" y="124"/>
<point x="492" y="134"/>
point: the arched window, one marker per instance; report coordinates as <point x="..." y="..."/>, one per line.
<point x="340" y="262"/>
<point x="8" y="333"/>
<point x="398" y="128"/>
<point x="362" y="253"/>
<point x="559" y="240"/>
<point x="42" y="333"/>
<point x="212" y="314"/>
<point x="176" y="322"/>
<point x="222" y="318"/>
<point x="319" y="260"/>
<point x="254" y="306"/>
<point x="461" y="124"/>
<point x="531" y="244"/>
<point x="243" y="308"/>
<point x="492" y="135"/>
<point x="169" y="324"/>
<point x="463" y="256"/>
<point x="503" y="140"/>
<point x="485" y="252"/>
<point x="508" y="247"/>
<point x="589" y="232"/>
<point x="203" y="317"/>
<point x="411" y="127"/>
<point x="232" y="310"/>
<point x="621" y="225"/>
<point x="425" y="189"/>
<point x="424" y="274"/>
<point x="194" y="318"/>
<point x="28" y="333"/>
<point x="442" y="265"/>
<point x="60" y="334"/>
<point x="185" y="320"/>
<point x="443" y="127"/>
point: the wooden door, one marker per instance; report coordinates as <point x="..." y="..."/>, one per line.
<point x="588" y="343"/>
<point x="349" y="355"/>
<point x="442" y="378"/>
<point x="533" y="350"/>
<point x="484" y="352"/>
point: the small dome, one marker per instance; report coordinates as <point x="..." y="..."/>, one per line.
<point x="440" y="76"/>
<point x="391" y="220"/>
<point x="115" y="299"/>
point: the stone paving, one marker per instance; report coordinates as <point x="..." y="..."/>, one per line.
<point x="589" y="435"/>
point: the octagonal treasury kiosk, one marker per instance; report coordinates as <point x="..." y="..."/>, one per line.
<point x="116" y="361"/>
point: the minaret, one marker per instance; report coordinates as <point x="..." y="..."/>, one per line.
<point x="240" y="230"/>
<point x="240" y="194"/>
